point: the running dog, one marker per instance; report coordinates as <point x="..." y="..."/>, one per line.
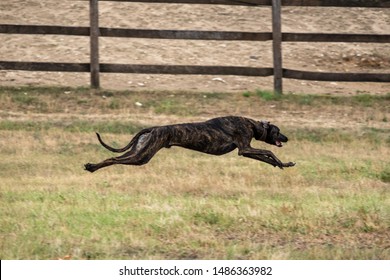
<point x="217" y="136"/>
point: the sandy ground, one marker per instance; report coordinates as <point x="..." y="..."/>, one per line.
<point x="334" y="57"/>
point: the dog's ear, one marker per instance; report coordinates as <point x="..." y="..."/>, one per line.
<point x="265" y="124"/>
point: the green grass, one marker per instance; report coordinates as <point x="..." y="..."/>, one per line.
<point x="202" y="207"/>
<point x="115" y="127"/>
<point x="334" y="204"/>
<point x="48" y="99"/>
<point x="307" y="99"/>
<point x="384" y="175"/>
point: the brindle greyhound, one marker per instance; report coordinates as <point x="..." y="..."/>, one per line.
<point x="216" y="137"/>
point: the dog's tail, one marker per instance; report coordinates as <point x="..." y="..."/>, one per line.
<point x="128" y="146"/>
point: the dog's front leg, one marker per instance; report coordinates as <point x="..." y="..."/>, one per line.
<point x="264" y="156"/>
<point x="263" y="159"/>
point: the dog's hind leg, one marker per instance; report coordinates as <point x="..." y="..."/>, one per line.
<point x="141" y="152"/>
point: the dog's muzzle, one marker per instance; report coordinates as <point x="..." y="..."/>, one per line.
<point x="281" y="139"/>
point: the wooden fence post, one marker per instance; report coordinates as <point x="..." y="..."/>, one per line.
<point x="277" y="45"/>
<point x="94" y="43"/>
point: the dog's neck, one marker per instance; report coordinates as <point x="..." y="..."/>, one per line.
<point x="263" y="129"/>
<point x="263" y="135"/>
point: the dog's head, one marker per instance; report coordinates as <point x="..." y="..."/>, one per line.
<point x="272" y="135"/>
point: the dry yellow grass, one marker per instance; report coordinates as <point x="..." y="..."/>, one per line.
<point x="186" y="205"/>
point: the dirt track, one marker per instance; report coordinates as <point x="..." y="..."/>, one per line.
<point x="303" y="56"/>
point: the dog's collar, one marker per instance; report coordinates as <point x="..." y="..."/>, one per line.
<point x="265" y="126"/>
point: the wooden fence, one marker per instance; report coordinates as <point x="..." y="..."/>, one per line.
<point x="94" y="32"/>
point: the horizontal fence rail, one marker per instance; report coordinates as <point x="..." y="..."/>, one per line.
<point x="187" y="70"/>
<point x="44" y="66"/>
<point x="335" y="38"/>
<point x="138" y="33"/>
<point x="341" y="77"/>
<point x="312" y="3"/>
<point x="193" y="34"/>
<point x="138" y="68"/>
<point x="194" y="70"/>
<point x="94" y="32"/>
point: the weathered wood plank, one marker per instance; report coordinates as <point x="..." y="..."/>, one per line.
<point x="338" y="3"/>
<point x="44" y="66"/>
<point x="137" y="68"/>
<point x="277" y="45"/>
<point x="322" y="37"/>
<point x="313" y="3"/>
<point x="212" y="2"/>
<point x="186" y="70"/>
<point x="336" y="77"/>
<point x="44" y="30"/>
<point x="195" y="70"/>
<point x="94" y="43"/>
<point x="186" y="34"/>
<point x="137" y="33"/>
<point x="193" y="34"/>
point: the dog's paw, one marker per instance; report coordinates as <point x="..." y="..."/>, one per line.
<point x="89" y="167"/>
<point x="289" y="164"/>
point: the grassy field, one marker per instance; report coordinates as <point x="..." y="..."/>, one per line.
<point x="334" y="204"/>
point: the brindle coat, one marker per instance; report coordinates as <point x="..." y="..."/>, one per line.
<point x="216" y="137"/>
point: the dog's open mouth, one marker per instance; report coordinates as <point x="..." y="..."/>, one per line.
<point x="278" y="143"/>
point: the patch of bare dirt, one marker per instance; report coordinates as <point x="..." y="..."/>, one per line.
<point x="353" y="57"/>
